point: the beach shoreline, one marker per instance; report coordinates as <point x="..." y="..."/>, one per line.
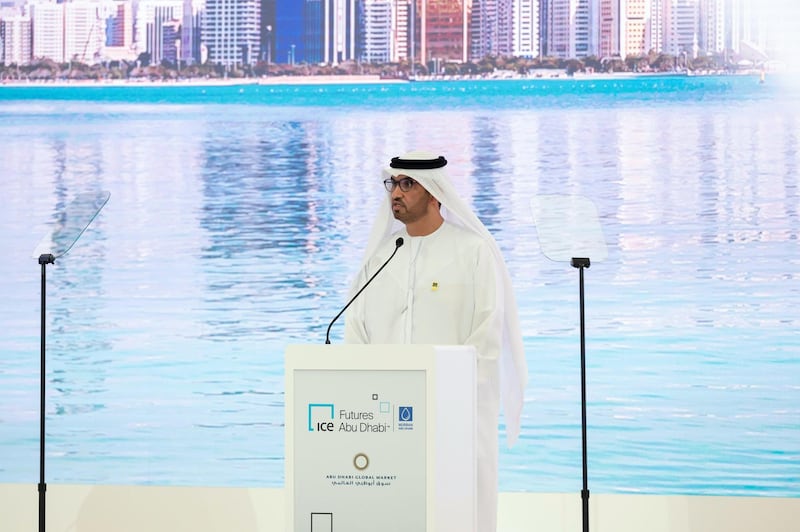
<point x="209" y="82"/>
<point x="311" y="80"/>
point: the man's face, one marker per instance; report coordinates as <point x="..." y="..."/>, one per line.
<point x="411" y="205"/>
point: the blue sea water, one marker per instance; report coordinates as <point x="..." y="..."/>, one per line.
<point x="236" y="222"/>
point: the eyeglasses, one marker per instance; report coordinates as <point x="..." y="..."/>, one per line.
<point x="405" y="184"/>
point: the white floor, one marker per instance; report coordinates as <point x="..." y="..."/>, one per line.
<point x="85" y="508"/>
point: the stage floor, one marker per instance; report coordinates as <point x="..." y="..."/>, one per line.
<point x="92" y="508"/>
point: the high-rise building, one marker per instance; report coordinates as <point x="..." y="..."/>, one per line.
<point x="558" y="28"/>
<point x="525" y="19"/>
<point x="268" y="25"/>
<point x="711" y="37"/>
<point x="312" y="33"/>
<point x="376" y="23"/>
<point x="584" y="36"/>
<point x="681" y="20"/>
<point x="170" y="41"/>
<point x="73" y="31"/>
<point x="84" y="31"/>
<point x="505" y="27"/>
<point x="634" y="36"/>
<point x="571" y="29"/>
<point x="15" y="40"/>
<point x="655" y="29"/>
<point x="191" y="27"/>
<point x="483" y="29"/>
<point x="48" y="31"/>
<point x="116" y="21"/>
<point x="746" y="25"/>
<point x="339" y="31"/>
<point x="544" y="27"/>
<point x="118" y="16"/>
<point x="609" y="28"/>
<point x="232" y="31"/>
<point x="494" y="27"/>
<point x="318" y="31"/>
<point x="734" y="23"/>
<point x="289" y="31"/>
<point x="151" y="15"/>
<point x="401" y="30"/>
<point x="442" y="29"/>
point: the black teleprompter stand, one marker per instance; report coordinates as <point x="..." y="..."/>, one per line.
<point x="581" y="264"/>
<point x="44" y="260"/>
<point x="72" y="221"/>
<point x="569" y="230"/>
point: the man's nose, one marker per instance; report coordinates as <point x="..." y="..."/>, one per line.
<point x="396" y="192"/>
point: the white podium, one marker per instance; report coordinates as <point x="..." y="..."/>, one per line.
<point x="380" y="437"/>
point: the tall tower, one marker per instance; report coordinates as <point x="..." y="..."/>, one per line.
<point x="443" y="29"/>
<point x="570" y="29"/>
<point x="635" y="17"/>
<point x="119" y="24"/>
<point x="151" y="15"/>
<point x="330" y="31"/>
<point x="483" y="29"/>
<point x="401" y="30"/>
<point x="268" y="27"/>
<point x="15" y="40"/>
<point x="655" y="27"/>
<point x="232" y="31"/>
<point x="746" y="23"/>
<point x="376" y="22"/>
<point x="84" y="32"/>
<point x="711" y="38"/>
<point x="681" y="19"/>
<point x="191" y="41"/>
<point x="118" y="17"/>
<point x="290" y="30"/>
<point x="525" y="19"/>
<point x="505" y="27"/>
<point x="583" y="22"/>
<point x="48" y="39"/>
<point x="170" y="41"/>
<point x="340" y="28"/>
<point x="609" y="28"/>
<point x="544" y="28"/>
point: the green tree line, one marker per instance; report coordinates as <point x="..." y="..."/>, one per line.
<point x="43" y="70"/>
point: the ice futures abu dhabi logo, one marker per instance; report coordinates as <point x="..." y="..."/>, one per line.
<point x="323" y="423"/>
<point x="323" y="417"/>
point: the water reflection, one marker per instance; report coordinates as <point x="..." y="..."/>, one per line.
<point x="261" y="212"/>
<point x="489" y="169"/>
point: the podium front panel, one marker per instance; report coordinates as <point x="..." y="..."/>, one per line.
<point x="380" y="437"/>
<point x="371" y="425"/>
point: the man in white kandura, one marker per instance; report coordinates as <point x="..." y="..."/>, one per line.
<point x="447" y="285"/>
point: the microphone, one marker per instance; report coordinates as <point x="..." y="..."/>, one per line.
<point x="397" y="244"/>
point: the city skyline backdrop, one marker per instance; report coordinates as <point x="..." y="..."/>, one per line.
<point x="242" y="32"/>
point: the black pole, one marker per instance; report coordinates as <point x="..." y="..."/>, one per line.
<point x="581" y="264"/>
<point x="44" y="260"/>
